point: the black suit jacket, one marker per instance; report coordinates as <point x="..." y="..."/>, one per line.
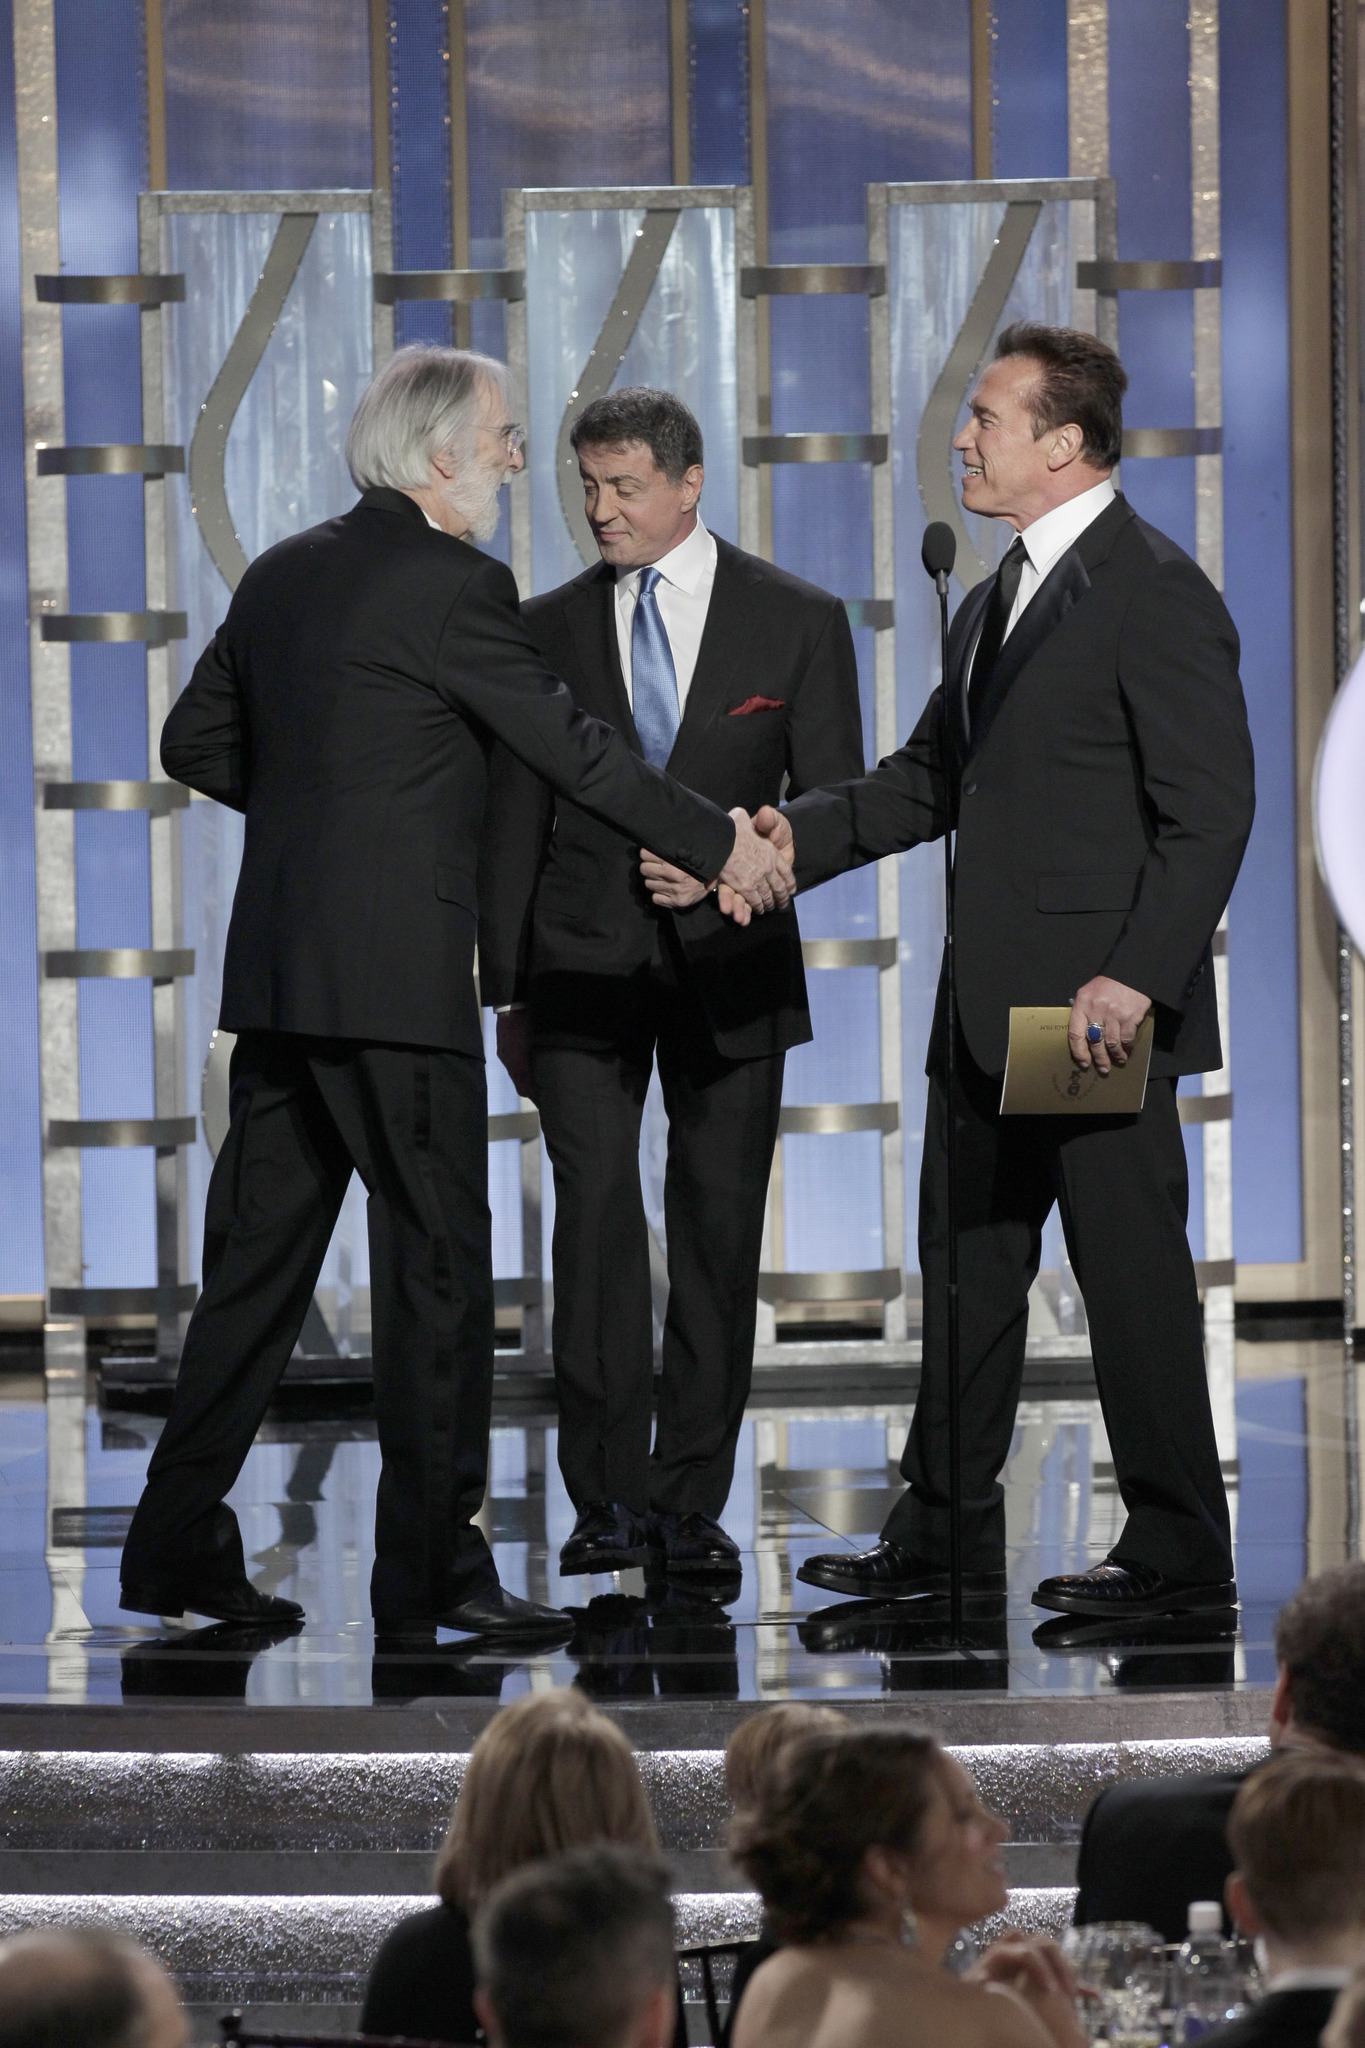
<point x="1151" y="1846"/>
<point x="1102" y="805"/>
<point x="1283" y="2019"/>
<point x="347" y="704"/>
<point x="566" y="921"/>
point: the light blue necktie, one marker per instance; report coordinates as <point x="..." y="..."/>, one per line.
<point x="654" y="683"/>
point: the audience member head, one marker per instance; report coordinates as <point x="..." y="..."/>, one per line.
<point x="1320" y="1647"/>
<point x="547" y="1773"/>
<point x="85" y="1987"/>
<point x="577" y="1952"/>
<point x="1297" y="1834"/>
<point x="434" y="424"/>
<point x="1346" y="2028"/>
<point x="861" y="1827"/>
<point x="762" y="1743"/>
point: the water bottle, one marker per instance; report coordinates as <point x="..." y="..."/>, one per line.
<point x="1206" y="1990"/>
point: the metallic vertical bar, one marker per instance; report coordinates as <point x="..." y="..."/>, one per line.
<point x="64" y="1392"/>
<point x="886" y="740"/>
<point x="1087" y="86"/>
<point x="773" y="1257"/>
<point x="459" y="158"/>
<point x="758" y="185"/>
<point x="983" y="39"/>
<point x="746" y="369"/>
<point x="519" y="490"/>
<point x="381" y="258"/>
<point x="680" y="89"/>
<point x="168" y="997"/>
<point x="49" y="664"/>
<point x="154" y="38"/>
<point x="1220" y="1344"/>
<point x="379" y="94"/>
<point x="532" y="1248"/>
<point x="1340" y="45"/>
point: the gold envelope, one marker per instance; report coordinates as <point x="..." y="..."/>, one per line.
<point x="1042" y="1079"/>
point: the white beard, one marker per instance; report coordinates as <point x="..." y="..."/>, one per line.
<point x="475" y="499"/>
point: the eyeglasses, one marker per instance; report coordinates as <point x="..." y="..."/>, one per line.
<point x="515" y="438"/>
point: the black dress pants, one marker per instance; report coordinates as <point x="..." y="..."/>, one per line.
<point x="412" y="1122"/>
<point x="722" y="1126"/>
<point x="1122" y="1186"/>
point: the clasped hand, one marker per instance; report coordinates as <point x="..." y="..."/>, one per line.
<point x="757" y="877"/>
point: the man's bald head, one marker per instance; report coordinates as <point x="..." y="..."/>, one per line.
<point x="85" y="1987"/>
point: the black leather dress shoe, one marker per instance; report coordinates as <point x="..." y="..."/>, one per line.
<point x="694" y="1543"/>
<point x="1121" y="1589"/>
<point x="493" y="1613"/>
<point x="606" y="1538"/>
<point x="236" y="1600"/>
<point x="887" y="1572"/>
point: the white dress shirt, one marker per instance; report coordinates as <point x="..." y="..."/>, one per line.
<point x="683" y="593"/>
<point x="1050" y="537"/>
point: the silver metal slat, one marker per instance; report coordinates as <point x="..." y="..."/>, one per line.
<point x="112" y="458"/>
<point x="160" y="1131"/>
<point x="120" y="963"/>
<point x="760" y="448"/>
<point x="452" y="287"/>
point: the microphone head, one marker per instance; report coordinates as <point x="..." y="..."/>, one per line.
<point x="938" y="549"/>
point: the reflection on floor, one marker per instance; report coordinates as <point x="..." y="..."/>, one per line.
<point x="808" y="1478"/>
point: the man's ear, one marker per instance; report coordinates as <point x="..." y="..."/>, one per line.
<point x="693" y="479"/>
<point x="1067" y="443"/>
<point x="1281" y="1708"/>
<point x="1242" y="1906"/>
<point x="487" y="2016"/>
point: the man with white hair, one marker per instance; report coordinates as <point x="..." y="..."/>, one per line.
<point x="347" y="705"/>
<point x="85" y="1987"/>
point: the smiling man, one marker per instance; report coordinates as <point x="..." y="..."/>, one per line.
<point x="1099" y="776"/>
<point x="734" y="676"/>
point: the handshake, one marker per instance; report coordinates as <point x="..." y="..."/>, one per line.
<point x="757" y="877"/>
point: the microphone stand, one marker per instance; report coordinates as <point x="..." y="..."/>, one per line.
<point x="950" y="980"/>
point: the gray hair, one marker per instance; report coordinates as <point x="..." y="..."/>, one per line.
<point x="423" y="403"/>
<point x="569" y="1949"/>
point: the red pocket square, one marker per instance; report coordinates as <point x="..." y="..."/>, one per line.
<point x="756" y="704"/>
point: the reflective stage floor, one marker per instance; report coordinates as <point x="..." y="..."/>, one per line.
<point x="812" y="1474"/>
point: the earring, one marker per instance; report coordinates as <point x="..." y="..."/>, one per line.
<point x="909" y="1928"/>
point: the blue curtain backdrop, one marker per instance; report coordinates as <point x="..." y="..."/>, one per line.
<point x="101" y="168"/>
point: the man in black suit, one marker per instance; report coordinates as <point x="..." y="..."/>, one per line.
<point x="1297" y="1832"/>
<point x="347" y="705"/>
<point x="735" y="676"/>
<point x="1099" y="776"/>
<point x="1151" y="1845"/>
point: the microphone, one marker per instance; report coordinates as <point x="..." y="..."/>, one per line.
<point x="938" y="551"/>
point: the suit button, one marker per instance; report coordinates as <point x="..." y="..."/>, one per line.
<point x="969" y="789"/>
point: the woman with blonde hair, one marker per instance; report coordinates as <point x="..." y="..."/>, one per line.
<point x="547" y="1773"/>
<point x="871" y="1851"/>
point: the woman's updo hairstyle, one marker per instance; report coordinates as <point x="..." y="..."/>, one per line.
<point x="836" y="1797"/>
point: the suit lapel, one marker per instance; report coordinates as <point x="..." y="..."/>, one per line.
<point x="1065" y="584"/>
<point x="963" y="635"/>
<point x="730" y="626"/>
<point x="591" y="614"/>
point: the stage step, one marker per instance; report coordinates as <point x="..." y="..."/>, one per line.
<point x="269" y="1879"/>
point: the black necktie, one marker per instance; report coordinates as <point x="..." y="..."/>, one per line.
<point x="997" y="619"/>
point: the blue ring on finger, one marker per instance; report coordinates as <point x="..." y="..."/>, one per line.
<point x="1094" y="1033"/>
